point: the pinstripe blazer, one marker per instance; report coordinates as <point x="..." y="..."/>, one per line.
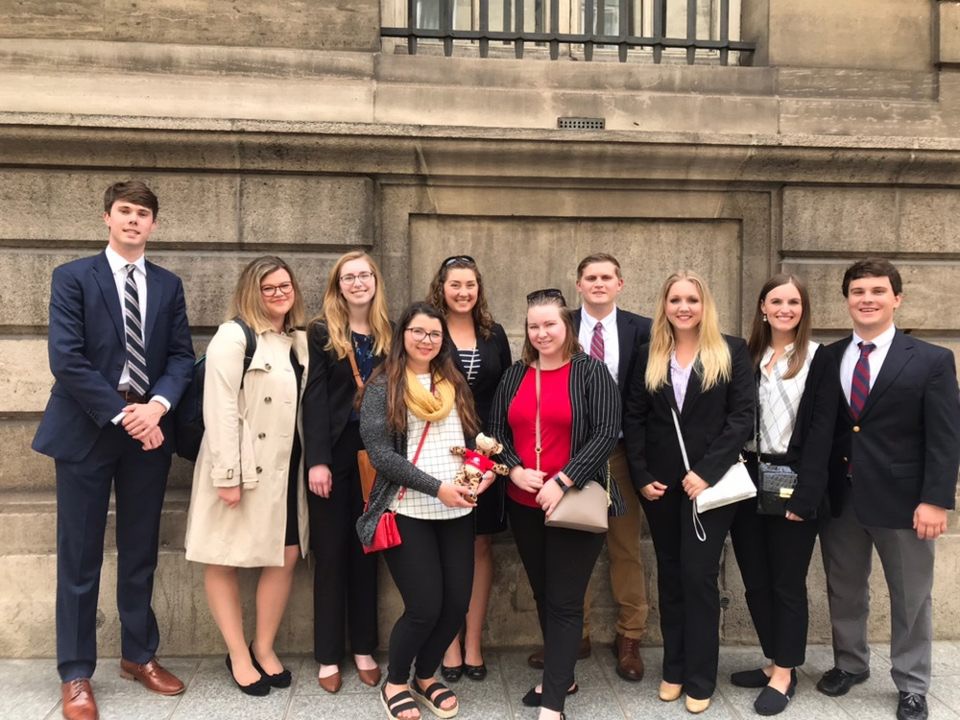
<point x="595" y="408"/>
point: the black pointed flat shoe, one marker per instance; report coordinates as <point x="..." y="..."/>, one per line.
<point x="281" y="679"/>
<point x="258" y="688"/>
<point x="475" y="672"/>
<point x="451" y="673"/>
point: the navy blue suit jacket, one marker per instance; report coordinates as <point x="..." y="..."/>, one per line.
<point x="87" y="352"/>
<point x="904" y="448"/>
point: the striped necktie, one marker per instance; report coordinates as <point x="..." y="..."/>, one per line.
<point x="596" y="342"/>
<point x="860" y="387"/>
<point x="136" y="357"/>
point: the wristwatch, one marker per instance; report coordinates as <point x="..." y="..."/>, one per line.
<point x="561" y="483"/>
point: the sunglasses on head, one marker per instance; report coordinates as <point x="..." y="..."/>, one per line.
<point x="454" y="259"/>
<point x="553" y="293"/>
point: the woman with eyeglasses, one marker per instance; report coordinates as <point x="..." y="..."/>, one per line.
<point x="482" y="354"/>
<point x="690" y="371"/>
<point x="248" y="505"/>
<point x="557" y="415"/>
<point x="415" y="407"/>
<point x="347" y="340"/>
<point x="798" y="392"/>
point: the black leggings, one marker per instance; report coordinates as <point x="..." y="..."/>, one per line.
<point x="558" y="563"/>
<point x="433" y="570"/>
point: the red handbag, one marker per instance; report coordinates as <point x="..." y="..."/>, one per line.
<point x="387" y="534"/>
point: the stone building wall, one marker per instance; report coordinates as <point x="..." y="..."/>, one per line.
<point x="280" y="128"/>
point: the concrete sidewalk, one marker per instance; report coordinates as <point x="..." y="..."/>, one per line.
<point x="33" y="691"/>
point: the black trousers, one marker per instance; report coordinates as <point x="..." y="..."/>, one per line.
<point x="433" y="570"/>
<point x="558" y="563"/>
<point x="687" y="573"/>
<point x="344" y="579"/>
<point x="139" y="480"/>
<point x="774" y="555"/>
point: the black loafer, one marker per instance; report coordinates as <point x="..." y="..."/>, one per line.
<point x="475" y="672"/>
<point x="771" y="701"/>
<point x="749" y="678"/>
<point x="912" y="706"/>
<point x="451" y="673"/>
<point x="836" y="682"/>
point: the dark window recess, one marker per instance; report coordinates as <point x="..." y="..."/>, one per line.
<point x="611" y="23"/>
<point x="581" y="123"/>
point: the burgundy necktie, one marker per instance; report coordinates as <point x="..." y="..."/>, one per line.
<point x="860" y="387"/>
<point x="596" y="343"/>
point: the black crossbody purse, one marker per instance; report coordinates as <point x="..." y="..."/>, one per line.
<point x="777" y="482"/>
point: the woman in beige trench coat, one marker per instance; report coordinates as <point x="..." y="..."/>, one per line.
<point x="248" y="504"/>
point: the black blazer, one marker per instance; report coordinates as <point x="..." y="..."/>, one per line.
<point x="327" y="399"/>
<point x="595" y="407"/>
<point x="494" y="360"/>
<point x="633" y="331"/>
<point x="812" y="440"/>
<point x="715" y="423"/>
<point x="905" y="448"/>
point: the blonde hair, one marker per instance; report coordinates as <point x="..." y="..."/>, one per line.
<point x="335" y="314"/>
<point x="247" y="302"/>
<point x="712" y="363"/>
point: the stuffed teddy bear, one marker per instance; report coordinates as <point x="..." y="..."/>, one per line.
<point x="477" y="462"/>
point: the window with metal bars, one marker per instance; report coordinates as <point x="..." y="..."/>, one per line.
<point x="651" y="30"/>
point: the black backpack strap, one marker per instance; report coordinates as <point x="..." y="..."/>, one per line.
<point x="251" y="345"/>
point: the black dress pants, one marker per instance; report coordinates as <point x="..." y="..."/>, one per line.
<point x="558" y="563"/>
<point x="433" y="570"/>
<point x="139" y="480"/>
<point x="344" y="579"/>
<point x="687" y="573"/>
<point x="774" y="555"/>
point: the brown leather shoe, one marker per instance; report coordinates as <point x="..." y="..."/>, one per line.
<point x="331" y="683"/>
<point x="369" y="677"/>
<point x="535" y="660"/>
<point x="152" y="676"/>
<point x="78" y="702"/>
<point x="629" y="662"/>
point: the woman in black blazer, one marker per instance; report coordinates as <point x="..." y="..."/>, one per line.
<point x="352" y="328"/>
<point x="706" y="378"/>
<point x="482" y="354"/>
<point x="577" y="409"/>
<point x="798" y="395"/>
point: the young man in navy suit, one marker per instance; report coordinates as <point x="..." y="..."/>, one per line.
<point x="893" y="477"/>
<point x="621" y="333"/>
<point x="121" y="356"/>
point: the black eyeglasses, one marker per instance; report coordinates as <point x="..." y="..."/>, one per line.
<point x="546" y="293"/>
<point x="453" y="259"/>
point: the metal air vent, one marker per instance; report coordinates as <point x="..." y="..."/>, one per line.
<point x="581" y="123"/>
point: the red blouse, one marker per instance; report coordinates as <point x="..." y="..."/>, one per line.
<point x="556" y="423"/>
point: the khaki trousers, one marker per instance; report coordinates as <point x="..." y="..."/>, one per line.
<point x="628" y="581"/>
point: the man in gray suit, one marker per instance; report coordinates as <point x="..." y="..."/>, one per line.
<point x="893" y="477"/>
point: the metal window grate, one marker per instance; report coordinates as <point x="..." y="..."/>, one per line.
<point x="627" y="35"/>
<point x="581" y="123"/>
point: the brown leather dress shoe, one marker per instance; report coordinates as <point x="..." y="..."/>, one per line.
<point x="535" y="660"/>
<point x="331" y="683"/>
<point x="152" y="676"/>
<point x="369" y="677"/>
<point x="629" y="662"/>
<point x="78" y="702"/>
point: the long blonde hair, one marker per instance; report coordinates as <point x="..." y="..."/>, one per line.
<point x="712" y="363"/>
<point x="335" y="314"/>
<point x="247" y="302"/>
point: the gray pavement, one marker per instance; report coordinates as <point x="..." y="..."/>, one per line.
<point x="33" y="692"/>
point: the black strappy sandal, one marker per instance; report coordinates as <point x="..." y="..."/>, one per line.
<point x="433" y="696"/>
<point x="399" y="703"/>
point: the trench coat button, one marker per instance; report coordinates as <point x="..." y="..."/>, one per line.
<point x="856" y="428"/>
<point x="268" y="399"/>
<point x="259" y="469"/>
<point x="261" y="435"/>
<point x="267" y="367"/>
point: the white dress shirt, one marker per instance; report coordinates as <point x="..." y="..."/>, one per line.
<point x="611" y="339"/>
<point x="118" y="267"/>
<point x="876" y="358"/>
